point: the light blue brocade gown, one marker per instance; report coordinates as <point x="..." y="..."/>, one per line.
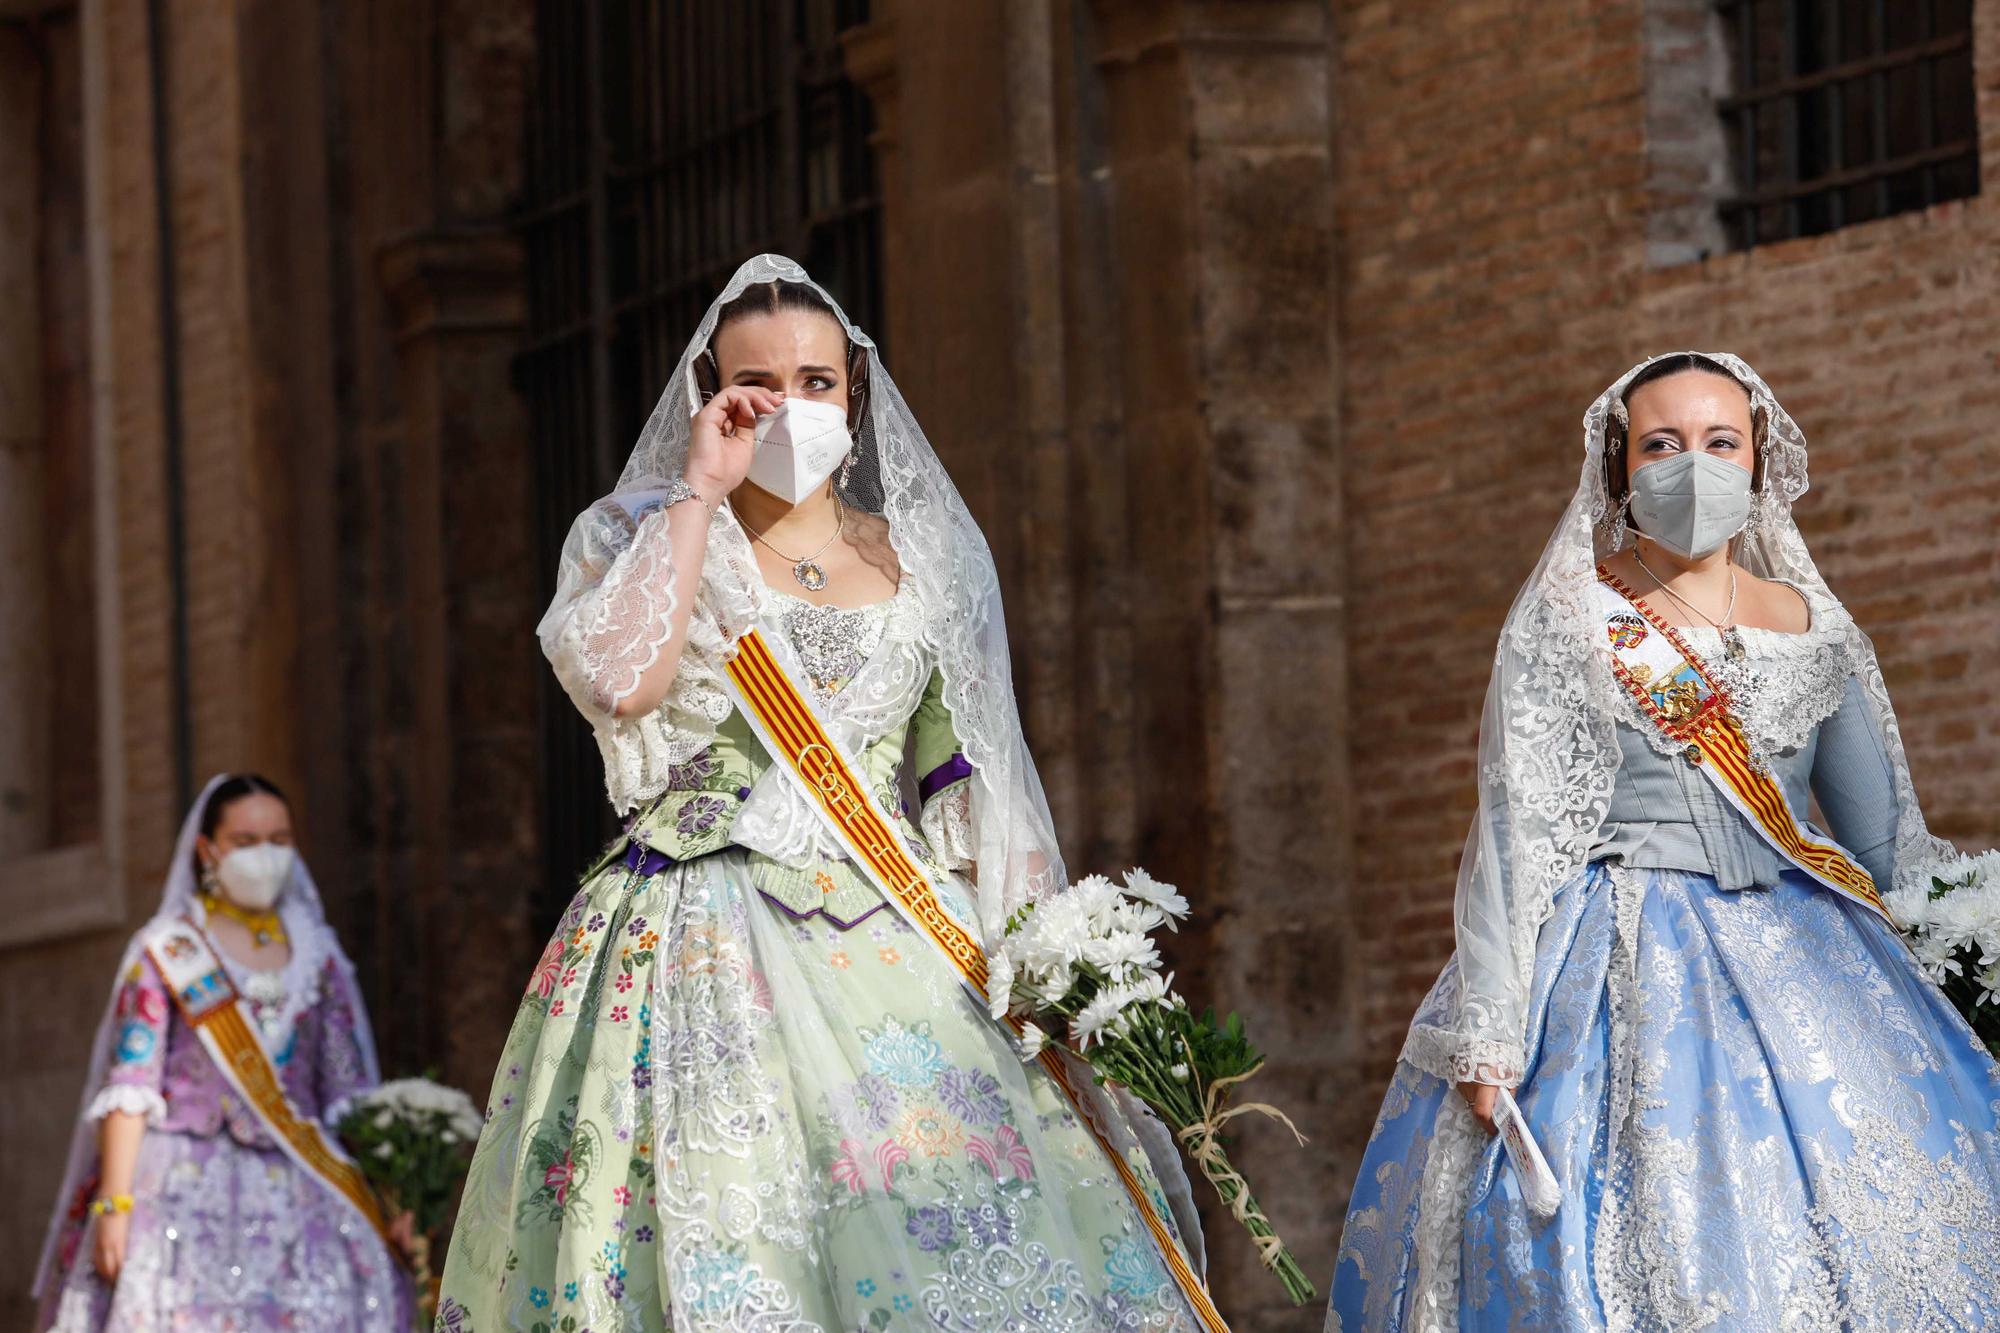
<point x="1761" y="1113"/>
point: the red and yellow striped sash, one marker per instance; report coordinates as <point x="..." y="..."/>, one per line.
<point x="796" y="737"/>
<point x="1682" y="698"/>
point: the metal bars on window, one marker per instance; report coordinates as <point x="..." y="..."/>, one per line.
<point x="1845" y="111"/>
<point x="670" y="140"/>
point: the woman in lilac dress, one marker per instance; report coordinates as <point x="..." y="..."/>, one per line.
<point x="180" y="1210"/>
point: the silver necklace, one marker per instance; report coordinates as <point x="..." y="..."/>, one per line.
<point x="1732" y="638"/>
<point x="807" y="569"/>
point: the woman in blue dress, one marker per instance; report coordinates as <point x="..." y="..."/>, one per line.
<point x="1759" y="1112"/>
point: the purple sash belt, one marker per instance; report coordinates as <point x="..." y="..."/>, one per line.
<point x="645" y="861"/>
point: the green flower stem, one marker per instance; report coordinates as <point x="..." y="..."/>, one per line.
<point x="1141" y="1057"/>
<point x="1297" y="1286"/>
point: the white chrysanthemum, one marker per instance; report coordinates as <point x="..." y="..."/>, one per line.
<point x="1122" y="954"/>
<point x="1150" y="989"/>
<point x="418" y="1099"/>
<point x="1040" y="961"/>
<point x="1032" y="1041"/>
<point x="1096" y="1018"/>
<point x="1139" y="918"/>
<point x="1967" y="918"/>
<point x="1132" y="998"/>
<point x="1911" y="907"/>
<point x="1144" y="888"/>
<point x="999" y="983"/>
<point x="1054" y="936"/>
<point x="1968" y="872"/>
<point x="1093" y="897"/>
<point x="1938" y="958"/>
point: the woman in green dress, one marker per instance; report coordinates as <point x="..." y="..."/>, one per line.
<point x="744" y="1089"/>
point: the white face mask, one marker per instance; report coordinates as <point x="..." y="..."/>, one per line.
<point x="253" y="877"/>
<point x="1692" y="503"/>
<point x="798" y="447"/>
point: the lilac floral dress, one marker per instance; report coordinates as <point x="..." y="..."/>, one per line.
<point x="227" y="1234"/>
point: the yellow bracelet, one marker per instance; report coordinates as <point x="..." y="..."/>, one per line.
<point x="117" y="1203"/>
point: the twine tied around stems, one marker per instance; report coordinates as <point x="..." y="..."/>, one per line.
<point x="1204" y="1145"/>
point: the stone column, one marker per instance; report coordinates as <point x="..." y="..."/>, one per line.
<point x="456" y="895"/>
<point x="1219" y="134"/>
<point x="1110" y="276"/>
<point x="24" y="661"/>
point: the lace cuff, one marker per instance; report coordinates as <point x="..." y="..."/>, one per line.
<point x="130" y="1098"/>
<point x="1465" y="1038"/>
<point x="1478" y="1060"/>
<point x="947" y="826"/>
<point x="1460" y="1057"/>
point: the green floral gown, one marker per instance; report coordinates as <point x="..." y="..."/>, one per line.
<point x="742" y="1093"/>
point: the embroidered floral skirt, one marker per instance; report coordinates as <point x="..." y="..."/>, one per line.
<point x="713" y="1115"/>
<point x="1762" y="1115"/>
<point x="229" y="1239"/>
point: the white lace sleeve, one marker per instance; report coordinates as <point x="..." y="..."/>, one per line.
<point x="613" y="616"/>
<point x="618" y="613"/>
<point x="130" y="1098"/>
<point x="1481" y="1039"/>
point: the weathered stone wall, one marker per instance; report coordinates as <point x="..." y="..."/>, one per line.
<point x="1109" y="266"/>
<point x="359" y="586"/>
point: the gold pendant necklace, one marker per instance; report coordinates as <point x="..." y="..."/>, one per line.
<point x="264" y="927"/>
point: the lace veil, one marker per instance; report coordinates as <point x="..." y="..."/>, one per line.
<point x="1549" y="756"/>
<point x="313" y="944"/>
<point x="612" y="610"/>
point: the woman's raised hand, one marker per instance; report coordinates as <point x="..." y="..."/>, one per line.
<point x="724" y="438"/>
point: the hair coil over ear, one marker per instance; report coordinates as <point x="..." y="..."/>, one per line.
<point x="1760" y="426"/>
<point x="707" y="375"/>
<point x="857" y="385"/>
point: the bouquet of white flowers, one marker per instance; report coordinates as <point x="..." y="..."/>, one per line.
<point x="413" y="1139"/>
<point x="1954" y="928"/>
<point x="1080" y="964"/>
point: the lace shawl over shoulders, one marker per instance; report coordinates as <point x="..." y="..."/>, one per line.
<point x="1786" y="686"/>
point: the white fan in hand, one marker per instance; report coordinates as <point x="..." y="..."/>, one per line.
<point x="1538" y="1184"/>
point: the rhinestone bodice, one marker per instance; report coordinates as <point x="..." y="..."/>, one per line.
<point x="833" y="643"/>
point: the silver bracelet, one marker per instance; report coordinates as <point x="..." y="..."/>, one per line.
<point x="679" y="490"/>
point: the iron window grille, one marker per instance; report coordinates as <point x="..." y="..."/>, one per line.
<point x="670" y="140"/>
<point x="1845" y="111"/>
